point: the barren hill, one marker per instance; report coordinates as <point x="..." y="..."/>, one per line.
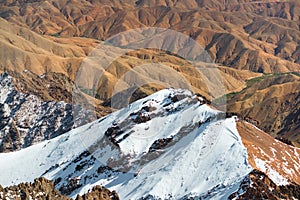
<point x="272" y="103"/>
<point x="23" y="49"/>
<point x="261" y="37"/>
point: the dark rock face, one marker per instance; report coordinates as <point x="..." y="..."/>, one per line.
<point x="258" y="186"/>
<point x="26" y="119"/>
<point x="284" y="140"/>
<point x="48" y="87"/>
<point x="159" y="144"/>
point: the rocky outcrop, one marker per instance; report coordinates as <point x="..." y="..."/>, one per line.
<point x="40" y="189"/>
<point x="43" y="189"/>
<point x="99" y="193"/>
<point x="257" y="185"/>
<point x="53" y="86"/>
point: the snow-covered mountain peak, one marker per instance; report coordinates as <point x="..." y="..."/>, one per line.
<point x="169" y="145"/>
<point x="156" y="123"/>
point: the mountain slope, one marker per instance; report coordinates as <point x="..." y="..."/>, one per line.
<point x="279" y="161"/>
<point x="27" y="120"/>
<point x="23" y="49"/>
<point x="162" y="140"/>
<point x="156" y="67"/>
<point x="172" y="144"/>
<point x="272" y="103"/>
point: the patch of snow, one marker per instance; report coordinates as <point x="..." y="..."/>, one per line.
<point x="43" y="76"/>
<point x="273" y="151"/>
<point x="272" y="174"/>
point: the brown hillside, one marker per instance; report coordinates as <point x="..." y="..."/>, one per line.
<point x="27" y="50"/>
<point x="261" y="37"/>
<point x="269" y="155"/>
<point x="173" y="67"/>
<point x="272" y="102"/>
<point x="22" y="49"/>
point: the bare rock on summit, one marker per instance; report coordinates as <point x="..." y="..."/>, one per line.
<point x="99" y="193"/>
<point x="257" y="185"/>
<point x="42" y="189"/>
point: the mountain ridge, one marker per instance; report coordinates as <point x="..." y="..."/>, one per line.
<point x="27" y="120"/>
<point x="114" y="156"/>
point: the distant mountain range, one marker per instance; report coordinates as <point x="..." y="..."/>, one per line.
<point x="261" y="37"/>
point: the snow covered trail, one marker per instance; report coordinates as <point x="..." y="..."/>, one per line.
<point x="169" y="145"/>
